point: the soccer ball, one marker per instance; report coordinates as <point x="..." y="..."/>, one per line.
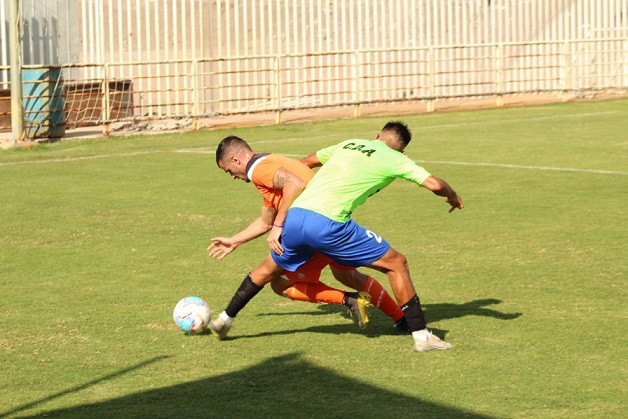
<point x="191" y="314"/>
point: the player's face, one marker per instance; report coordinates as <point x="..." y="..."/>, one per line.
<point x="234" y="168"/>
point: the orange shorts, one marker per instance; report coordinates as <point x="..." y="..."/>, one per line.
<point x="310" y="271"/>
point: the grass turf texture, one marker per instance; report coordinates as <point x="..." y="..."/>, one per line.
<point x="101" y="238"/>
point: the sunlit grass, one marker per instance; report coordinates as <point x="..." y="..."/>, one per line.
<point x="101" y="238"/>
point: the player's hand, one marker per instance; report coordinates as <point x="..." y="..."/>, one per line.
<point x="273" y="240"/>
<point x="455" y="202"/>
<point x="221" y="247"/>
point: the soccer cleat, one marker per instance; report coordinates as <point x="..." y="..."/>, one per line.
<point x="219" y="327"/>
<point x="401" y="325"/>
<point x="359" y="308"/>
<point x="433" y="343"/>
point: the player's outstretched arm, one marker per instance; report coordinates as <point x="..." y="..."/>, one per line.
<point x="222" y="246"/>
<point x="441" y="188"/>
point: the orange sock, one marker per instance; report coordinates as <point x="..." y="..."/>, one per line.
<point x="314" y="293"/>
<point x="382" y="300"/>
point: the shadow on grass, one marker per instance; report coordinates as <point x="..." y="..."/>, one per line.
<point x="434" y="312"/>
<point x="380" y="324"/>
<point x="83" y="386"/>
<point x="444" y="311"/>
<point x="283" y="387"/>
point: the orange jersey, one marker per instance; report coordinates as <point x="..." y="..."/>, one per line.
<point x="261" y="171"/>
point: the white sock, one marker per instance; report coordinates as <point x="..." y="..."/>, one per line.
<point x="228" y="320"/>
<point x="423" y="335"/>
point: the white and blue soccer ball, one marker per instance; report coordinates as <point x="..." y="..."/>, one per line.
<point x="191" y="314"/>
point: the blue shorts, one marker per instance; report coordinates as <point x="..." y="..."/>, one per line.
<point x="306" y="232"/>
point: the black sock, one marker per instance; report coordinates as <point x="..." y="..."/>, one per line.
<point x="248" y="289"/>
<point x="413" y="312"/>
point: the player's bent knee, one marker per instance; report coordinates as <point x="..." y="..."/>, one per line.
<point x="394" y="260"/>
<point x="279" y="286"/>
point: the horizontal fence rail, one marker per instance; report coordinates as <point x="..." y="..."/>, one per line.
<point x="95" y="94"/>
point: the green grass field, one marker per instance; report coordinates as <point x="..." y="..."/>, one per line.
<point x="101" y="238"/>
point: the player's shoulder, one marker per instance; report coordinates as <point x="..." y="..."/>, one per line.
<point x="273" y="162"/>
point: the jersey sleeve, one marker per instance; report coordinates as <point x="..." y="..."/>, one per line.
<point x="409" y="170"/>
<point x="324" y="154"/>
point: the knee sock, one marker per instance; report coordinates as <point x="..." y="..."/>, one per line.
<point x="315" y="293"/>
<point x="413" y="312"/>
<point x="382" y="300"/>
<point x="248" y="289"/>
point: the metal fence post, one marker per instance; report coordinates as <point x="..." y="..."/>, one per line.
<point x="278" y="113"/>
<point x="356" y="84"/>
<point x="432" y="94"/>
<point x="106" y="105"/>
<point x="564" y="56"/>
<point x="195" y="93"/>
<point x="17" y="107"/>
<point x="499" y="75"/>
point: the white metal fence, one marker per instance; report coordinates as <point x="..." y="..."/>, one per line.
<point x="133" y="59"/>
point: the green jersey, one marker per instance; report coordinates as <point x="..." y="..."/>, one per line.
<point x="352" y="171"/>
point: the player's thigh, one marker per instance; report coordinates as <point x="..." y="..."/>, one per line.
<point x="349" y="277"/>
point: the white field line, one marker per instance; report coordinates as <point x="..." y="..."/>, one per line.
<point x="517" y="166"/>
<point x="207" y="150"/>
<point x="69" y="159"/>
<point x="459" y="163"/>
<point x="501" y="121"/>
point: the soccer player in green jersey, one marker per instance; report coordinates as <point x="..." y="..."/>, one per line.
<point x="319" y="221"/>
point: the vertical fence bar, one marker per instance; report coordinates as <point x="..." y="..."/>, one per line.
<point x="139" y="84"/>
<point x="305" y="89"/>
<point x="277" y="70"/>
<point x="356" y="83"/>
<point x="185" y="53"/>
<point x="176" y="41"/>
<point x="157" y="15"/>
<point x="168" y="67"/>
<point x="255" y="51"/>
<point x="292" y="88"/>
<point x="431" y="104"/>
<point x="5" y="46"/>
<point x="367" y="57"/>
<point x="106" y="105"/>
<point x="565" y="61"/>
<point x="219" y="59"/>
<point x="149" y="49"/>
<point x="499" y="73"/>
<point x="246" y="52"/>
<point x="195" y="94"/>
<point x="229" y="53"/>
<point x="17" y="109"/>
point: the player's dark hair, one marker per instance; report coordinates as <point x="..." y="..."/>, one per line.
<point x="401" y="130"/>
<point x="230" y="144"/>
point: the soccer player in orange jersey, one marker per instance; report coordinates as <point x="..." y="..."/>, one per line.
<point x="279" y="180"/>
